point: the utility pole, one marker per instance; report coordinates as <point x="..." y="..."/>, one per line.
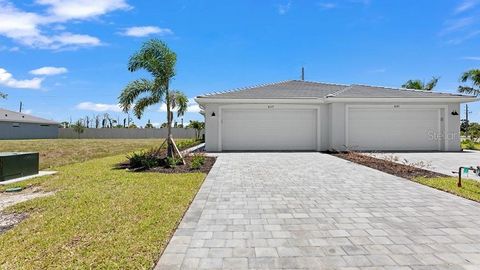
<point x="303" y="74"/>
<point x="467" y="112"/>
<point x="20" y="106"/>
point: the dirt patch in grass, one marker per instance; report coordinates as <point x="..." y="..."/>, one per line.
<point x="7" y="221"/>
<point x="390" y="167"/>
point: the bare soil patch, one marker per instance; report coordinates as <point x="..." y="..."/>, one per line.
<point x="390" y="167"/>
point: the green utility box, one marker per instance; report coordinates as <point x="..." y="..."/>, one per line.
<point x="14" y="165"/>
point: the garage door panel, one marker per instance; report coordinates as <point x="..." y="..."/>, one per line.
<point x="393" y="129"/>
<point x="272" y="129"/>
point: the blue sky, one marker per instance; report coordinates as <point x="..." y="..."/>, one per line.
<point x="67" y="58"/>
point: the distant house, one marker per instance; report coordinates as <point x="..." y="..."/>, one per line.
<point x="14" y="125"/>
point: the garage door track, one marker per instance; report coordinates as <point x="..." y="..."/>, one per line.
<point x="315" y="211"/>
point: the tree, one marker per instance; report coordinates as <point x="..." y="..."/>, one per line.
<point x="420" y="85"/>
<point x="149" y="124"/>
<point x="472" y="75"/>
<point x="78" y="127"/>
<point x="198" y="126"/>
<point x="156" y="58"/>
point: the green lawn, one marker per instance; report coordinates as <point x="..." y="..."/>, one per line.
<point x="470" y="188"/>
<point x="99" y="218"/>
<point x="58" y="152"/>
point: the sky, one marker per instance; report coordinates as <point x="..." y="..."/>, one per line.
<point x="67" y="59"/>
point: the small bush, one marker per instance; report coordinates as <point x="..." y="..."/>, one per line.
<point x="172" y="162"/>
<point x="197" y="161"/>
<point x="144" y="159"/>
<point x="468" y="144"/>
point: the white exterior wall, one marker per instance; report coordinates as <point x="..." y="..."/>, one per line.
<point x="332" y="123"/>
<point x="450" y="126"/>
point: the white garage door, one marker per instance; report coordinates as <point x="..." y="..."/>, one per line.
<point x="393" y="129"/>
<point x="268" y="129"/>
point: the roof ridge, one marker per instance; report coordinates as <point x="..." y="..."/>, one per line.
<point x="246" y="88"/>
<point x="407" y="89"/>
<point x="339" y="91"/>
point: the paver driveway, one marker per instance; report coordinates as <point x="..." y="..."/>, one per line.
<point x="315" y="211"/>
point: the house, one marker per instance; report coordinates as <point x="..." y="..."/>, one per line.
<point x="312" y="116"/>
<point x="14" y="125"/>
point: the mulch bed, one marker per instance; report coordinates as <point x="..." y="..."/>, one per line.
<point x="206" y="167"/>
<point x="390" y="167"/>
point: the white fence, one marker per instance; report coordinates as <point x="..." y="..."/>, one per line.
<point x="125" y="133"/>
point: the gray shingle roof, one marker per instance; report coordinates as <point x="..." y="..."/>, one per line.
<point x="305" y="89"/>
<point x="11" y="116"/>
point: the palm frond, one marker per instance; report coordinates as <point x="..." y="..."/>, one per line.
<point x="413" y="84"/>
<point x="2" y="95"/>
<point x="132" y="91"/>
<point x="431" y="84"/>
<point x="181" y="103"/>
<point x="468" y="90"/>
<point x="143" y="103"/>
<point x="156" y="58"/>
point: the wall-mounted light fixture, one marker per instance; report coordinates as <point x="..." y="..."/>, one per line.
<point x="454" y="113"/>
<point x="213" y="114"/>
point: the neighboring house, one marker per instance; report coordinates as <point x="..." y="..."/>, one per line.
<point x="301" y="115"/>
<point x="14" y="125"/>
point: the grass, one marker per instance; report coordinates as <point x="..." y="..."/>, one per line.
<point x="58" y="152"/>
<point x="470" y="188"/>
<point x="470" y="145"/>
<point x="99" y="218"/>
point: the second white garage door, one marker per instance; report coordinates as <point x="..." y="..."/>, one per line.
<point x="269" y="129"/>
<point x="393" y="129"/>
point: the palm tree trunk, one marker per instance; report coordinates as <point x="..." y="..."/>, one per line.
<point x="169" y="125"/>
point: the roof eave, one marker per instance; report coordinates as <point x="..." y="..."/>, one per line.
<point x="205" y="100"/>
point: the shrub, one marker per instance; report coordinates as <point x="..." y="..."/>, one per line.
<point x="144" y="159"/>
<point x="197" y="161"/>
<point x="468" y="144"/>
<point x="172" y="162"/>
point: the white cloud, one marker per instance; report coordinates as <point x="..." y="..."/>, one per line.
<point x="463" y="38"/>
<point x="465" y="6"/>
<point x="143" y="31"/>
<point x="49" y="71"/>
<point x="456" y="25"/>
<point x="283" y="8"/>
<point x="64" y="10"/>
<point x="325" y="5"/>
<point x="474" y="58"/>
<point x="34" y="29"/>
<point x="192" y="106"/>
<point x="98" y="107"/>
<point x="8" y="80"/>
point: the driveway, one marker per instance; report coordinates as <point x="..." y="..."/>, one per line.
<point x="316" y="211"/>
<point x="442" y="162"/>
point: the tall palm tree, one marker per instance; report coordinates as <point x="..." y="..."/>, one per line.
<point x="420" y="85"/>
<point x="156" y="58"/>
<point x="472" y="75"/>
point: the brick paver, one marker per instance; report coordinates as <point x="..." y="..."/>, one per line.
<point x="315" y="211"/>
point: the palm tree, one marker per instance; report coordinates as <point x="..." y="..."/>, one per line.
<point x="420" y="85"/>
<point x="156" y="58"/>
<point x="198" y="126"/>
<point x="474" y="76"/>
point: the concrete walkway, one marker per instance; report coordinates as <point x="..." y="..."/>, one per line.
<point x="315" y="211"/>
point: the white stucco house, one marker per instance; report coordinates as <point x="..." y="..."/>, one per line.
<point x="311" y="116"/>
